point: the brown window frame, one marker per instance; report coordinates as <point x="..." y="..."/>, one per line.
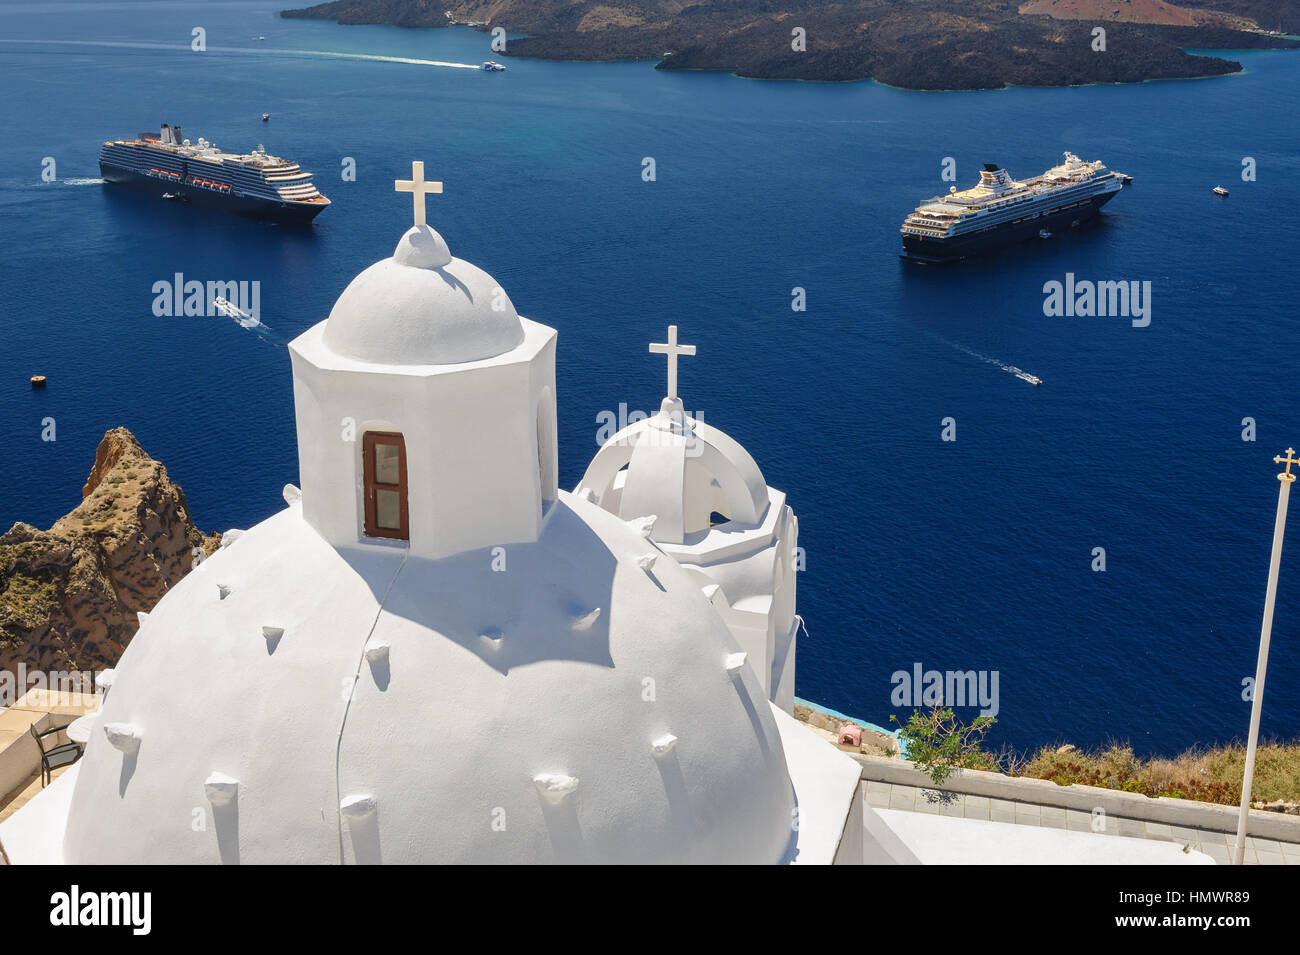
<point x="369" y="441"/>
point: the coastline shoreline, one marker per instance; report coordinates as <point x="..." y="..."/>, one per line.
<point x="993" y="68"/>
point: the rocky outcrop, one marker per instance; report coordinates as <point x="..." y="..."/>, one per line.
<point x="69" y="596"/>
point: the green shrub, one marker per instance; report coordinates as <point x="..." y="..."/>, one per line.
<point x="939" y="744"/>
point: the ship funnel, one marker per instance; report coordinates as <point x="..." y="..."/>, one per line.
<point x="995" y="178"/>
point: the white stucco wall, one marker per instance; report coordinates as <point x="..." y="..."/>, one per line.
<point x="470" y="431"/>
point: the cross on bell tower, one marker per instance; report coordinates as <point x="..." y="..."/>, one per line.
<point x="418" y="187"/>
<point x="1290" y="459"/>
<point x="672" y="350"/>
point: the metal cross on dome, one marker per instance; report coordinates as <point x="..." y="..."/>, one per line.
<point x="1289" y="460"/>
<point x="672" y="350"/>
<point x="418" y="188"/>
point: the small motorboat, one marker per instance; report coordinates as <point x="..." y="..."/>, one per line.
<point x="266" y="117"/>
<point x="1220" y="191"/>
<point x="227" y="307"/>
<point x="1044" y="234"/>
<point x="492" y="66"/>
<point x="1032" y="379"/>
<point x="38" y="381"/>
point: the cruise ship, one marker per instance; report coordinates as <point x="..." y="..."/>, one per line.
<point x="1001" y="210"/>
<point x="256" y="184"/>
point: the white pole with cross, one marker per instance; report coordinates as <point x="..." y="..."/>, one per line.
<point x="672" y="350"/>
<point x="1286" y="479"/>
<point x="418" y="188"/>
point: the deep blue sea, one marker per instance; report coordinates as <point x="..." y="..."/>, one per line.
<point x="973" y="554"/>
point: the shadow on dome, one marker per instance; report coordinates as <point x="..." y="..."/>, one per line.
<point x="746" y="700"/>
<point x="548" y="600"/>
<point x="565" y="832"/>
<point x="129" y="762"/>
<point x="677" y="792"/>
<point x="455" y="283"/>
<point x="792" y="846"/>
<point x="726" y="528"/>
<point x="364" y="835"/>
<point x="225" y="821"/>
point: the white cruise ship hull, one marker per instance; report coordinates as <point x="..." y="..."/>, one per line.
<point x="999" y="210"/>
<point x="947" y="249"/>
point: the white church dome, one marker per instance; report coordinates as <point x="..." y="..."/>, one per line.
<point x="679" y="469"/>
<point x="290" y="702"/>
<point x="422" y="306"/>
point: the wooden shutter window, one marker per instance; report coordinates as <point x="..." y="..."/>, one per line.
<point x="384" y="454"/>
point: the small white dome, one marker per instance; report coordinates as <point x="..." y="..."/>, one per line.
<point x="680" y="470"/>
<point x="423" y="306"/>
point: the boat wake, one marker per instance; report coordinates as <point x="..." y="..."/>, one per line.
<point x="1009" y="369"/>
<point x="80" y="182"/>
<point x="364" y="56"/>
<point x="231" y="310"/>
<point x="253" y="51"/>
<point x="245" y="320"/>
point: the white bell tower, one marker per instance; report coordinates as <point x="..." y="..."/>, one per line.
<point x="425" y="406"/>
<point x="716" y="516"/>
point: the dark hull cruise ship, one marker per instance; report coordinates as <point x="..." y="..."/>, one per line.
<point x="257" y="185"/>
<point x="1000" y="210"/>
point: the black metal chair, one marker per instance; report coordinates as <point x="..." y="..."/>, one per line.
<point x="63" y="754"/>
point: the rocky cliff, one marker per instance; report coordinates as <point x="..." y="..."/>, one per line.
<point x="69" y="596"/>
